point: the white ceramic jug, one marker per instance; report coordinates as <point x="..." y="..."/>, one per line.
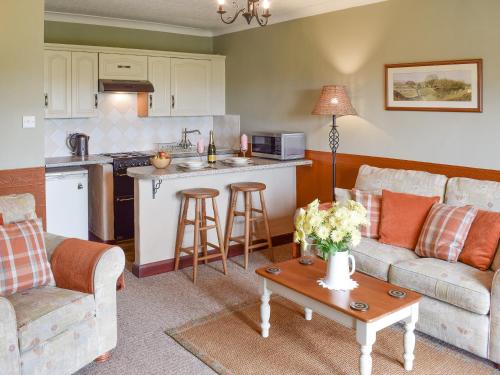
<point x="338" y="274"/>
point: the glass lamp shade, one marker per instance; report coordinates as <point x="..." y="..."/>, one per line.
<point x="334" y="100"/>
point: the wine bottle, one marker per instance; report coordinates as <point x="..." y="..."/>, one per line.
<point x="211" y="149"/>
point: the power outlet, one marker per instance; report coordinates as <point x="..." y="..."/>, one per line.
<point x="29" y="122"/>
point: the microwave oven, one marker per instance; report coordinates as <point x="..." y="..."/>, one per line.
<point x="280" y="145"/>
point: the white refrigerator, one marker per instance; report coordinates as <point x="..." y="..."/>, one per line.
<point x="66" y="192"/>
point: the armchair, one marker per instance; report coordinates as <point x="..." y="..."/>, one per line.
<point x="49" y="330"/>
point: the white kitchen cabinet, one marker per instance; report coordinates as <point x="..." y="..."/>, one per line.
<point x="84" y="72"/>
<point x="57" y="84"/>
<point x="190" y="87"/>
<point x="159" y="101"/>
<point x="125" y="67"/>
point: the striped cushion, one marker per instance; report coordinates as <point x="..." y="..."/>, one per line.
<point x="372" y="203"/>
<point x="444" y="232"/>
<point x="23" y="260"/>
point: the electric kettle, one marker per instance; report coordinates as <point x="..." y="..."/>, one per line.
<point x="78" y="143"/>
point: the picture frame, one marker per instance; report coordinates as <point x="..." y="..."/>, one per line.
<point x="440" y="86"/>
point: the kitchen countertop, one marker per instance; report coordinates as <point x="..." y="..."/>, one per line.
<point x="174" y="172"/>
<point x="75" y="161"/>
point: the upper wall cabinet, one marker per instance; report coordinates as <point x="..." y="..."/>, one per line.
<point x="57" y="84"/>
<point x="127" y="67"/>
<point x="191" y="84"/>
<point x="159" y="101"/>
<point x="70" y="81"/>
<point x="84" y="100"/>
<point x="185" y="84"/>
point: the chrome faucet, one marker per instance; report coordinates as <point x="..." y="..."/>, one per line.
<point x="185" y="143"/>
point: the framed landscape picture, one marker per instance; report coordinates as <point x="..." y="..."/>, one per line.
<point x="445" y="86"/>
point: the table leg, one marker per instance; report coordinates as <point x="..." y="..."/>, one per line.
<point x="365" y="336"/>
<point x="308" y="313"/>
<point x="265" y="309"/>
<point x="409" y="338"/>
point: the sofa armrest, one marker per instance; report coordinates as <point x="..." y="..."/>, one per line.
<point x="108" y="270"/>
<point x="9" y="348"/>
<point x="494" y="347"/>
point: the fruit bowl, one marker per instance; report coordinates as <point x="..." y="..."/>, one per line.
<point x="160" y="163"/>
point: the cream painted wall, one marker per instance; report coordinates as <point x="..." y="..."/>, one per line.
<point x="274" y="76"/>
<point x="21" y="83"/>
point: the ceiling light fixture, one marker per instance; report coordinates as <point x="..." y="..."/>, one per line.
<point x="250" y="12"/>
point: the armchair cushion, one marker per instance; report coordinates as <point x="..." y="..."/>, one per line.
<point x="45" y="312"/>
<point x="17" y="207"/>
<point x="23" y="260"/>
<point x="455" y="283"/>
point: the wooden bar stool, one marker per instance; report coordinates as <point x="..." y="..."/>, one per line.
<point x="248" y="239"/>
<point x="200" y="229"/>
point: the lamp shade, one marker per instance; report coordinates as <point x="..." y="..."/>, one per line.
<point x="334" y="101"/>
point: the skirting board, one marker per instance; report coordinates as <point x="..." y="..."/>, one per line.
<point x="187" y="261"/>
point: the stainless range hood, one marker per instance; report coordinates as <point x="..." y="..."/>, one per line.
<point x="116" y="85"/>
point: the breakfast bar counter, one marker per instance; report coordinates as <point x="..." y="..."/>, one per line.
<point x="175" y="171"/>
<point x="158" y="204"/>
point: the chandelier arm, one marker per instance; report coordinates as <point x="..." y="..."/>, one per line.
<point x="230" y="20"/>
<point x="260" y="21"/>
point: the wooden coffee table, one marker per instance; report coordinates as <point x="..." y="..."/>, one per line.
<point x="298" y="283"/>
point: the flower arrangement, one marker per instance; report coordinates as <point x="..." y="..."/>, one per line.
<point x="333" y="230"/>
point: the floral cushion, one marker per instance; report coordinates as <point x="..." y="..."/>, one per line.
<point x="479" y="193"/>
<point x="375" y="258"/>
<point x="375" y="180"/>
<point x="17" y="207"/>
<point x="455" y="283"/>
<point x="47" y="311"/>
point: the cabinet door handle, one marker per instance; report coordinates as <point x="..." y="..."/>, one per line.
<point x="124" y="199"/>
<point x="46" y="96"/>
<point x="173" y="101"/>
<point x="96" y="101"/>
<point x="150" y="101"/>
<point x="124" y="66"/>
<point x="80" y="186"/>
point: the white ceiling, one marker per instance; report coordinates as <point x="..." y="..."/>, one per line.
<point x="197" y="17"/>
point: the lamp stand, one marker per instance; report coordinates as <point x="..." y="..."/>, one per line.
<point x="334" y="139"/>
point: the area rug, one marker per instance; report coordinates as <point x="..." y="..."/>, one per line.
<point x="230" y="343"/>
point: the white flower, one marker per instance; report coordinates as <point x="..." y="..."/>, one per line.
<point x="323" y="232"/>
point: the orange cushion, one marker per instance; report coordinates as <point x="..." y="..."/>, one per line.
<point x="482" y="240"/>
<point x="402" y="218"/>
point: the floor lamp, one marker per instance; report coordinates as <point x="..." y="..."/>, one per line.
<point x="335" y="102"/>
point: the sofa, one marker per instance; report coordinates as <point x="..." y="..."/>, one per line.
<point x="460" y="304"/>
<point x="49" y="330"/>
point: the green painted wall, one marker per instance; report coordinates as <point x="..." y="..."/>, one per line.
<point x="21" y="83"/>
<point x="274" y="76"/>
<point x="94" y="35"/>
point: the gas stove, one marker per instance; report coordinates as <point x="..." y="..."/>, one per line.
<point x="124" y="160"/>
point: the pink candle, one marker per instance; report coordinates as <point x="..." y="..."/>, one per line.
<point x="200" y="146"/>
<point x="244" y="142"/>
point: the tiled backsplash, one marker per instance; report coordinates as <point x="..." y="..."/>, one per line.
<point x="117" y="128"/>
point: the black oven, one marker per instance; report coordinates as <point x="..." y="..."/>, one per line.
<point x="123" y="192"/>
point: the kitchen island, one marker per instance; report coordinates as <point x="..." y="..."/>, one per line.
<point x="157" y="204"/>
